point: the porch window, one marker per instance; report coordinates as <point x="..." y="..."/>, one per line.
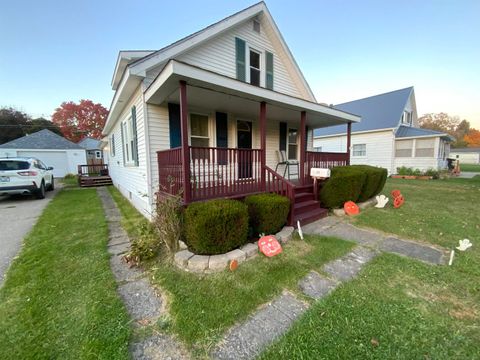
<point x="199" y="134"/>
<point x="359" y="150"/>
<point x="403" y="148"/>
<point x="254" y="68"/>
<point x="425" y="148"/>
<point x="292" y="144"/>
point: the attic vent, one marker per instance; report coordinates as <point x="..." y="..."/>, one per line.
<point x="256" y="26"/>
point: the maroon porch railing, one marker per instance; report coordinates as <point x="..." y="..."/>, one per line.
<point x="276" y="183"/>
<point x="324" y="160"/>
<point x="170" y="173"/>
<point x="224" y="172"/>
<point x="93" y="170"/>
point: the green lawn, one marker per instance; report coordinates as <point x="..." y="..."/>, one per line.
<point x="59" y="300"/>
<point x="202" y="308"/>
<point x="470" y="167"/>
<point x="410" y="309"/>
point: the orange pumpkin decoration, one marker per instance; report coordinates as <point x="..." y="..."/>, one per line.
<point x="398" y="201"/>
<point x="351" y="208"/>
<point x="233" y="265"/>
<point x="396" y="193"/>
<point x="269" y="245"/>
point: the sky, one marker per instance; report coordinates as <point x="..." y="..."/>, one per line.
<point x="55" y="51"/>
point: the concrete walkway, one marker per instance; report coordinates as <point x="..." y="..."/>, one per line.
<point x="468" y="175"/>
<point x="143" y="303"/>
<point x="248" y="339"/>
<point x="18" y="215"/>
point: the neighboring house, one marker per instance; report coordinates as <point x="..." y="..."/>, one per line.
<point x="63" y="155"/>
<point x="388" y="135"/>
<point x="206" y="116"/>
<point x="466" y="155"/>
<point x="94" y="151"/>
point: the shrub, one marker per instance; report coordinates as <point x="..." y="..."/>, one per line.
<point x="345" y="184"/>
<point x="435" y="174"/>
<point x="268" y="212"/>
<point x="216" y="226"/>
<point x="374" y="181"/>
<point x="145" y="246"/>
<point x="70" y="176"/>
<point x="167" y="220"/>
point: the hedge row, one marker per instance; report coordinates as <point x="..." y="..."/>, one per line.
<point x="218" y="226"/>
<point x="356" y="183"/>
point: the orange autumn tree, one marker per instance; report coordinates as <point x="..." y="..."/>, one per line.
<point x="472" y="138"/>
<point x="77" y="121"/>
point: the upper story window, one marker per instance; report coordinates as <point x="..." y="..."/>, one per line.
<point x="407" y="118"/>
<point x="254" y="67"/>
<point x="256" y="26"/>
<point x="359" y="150"/>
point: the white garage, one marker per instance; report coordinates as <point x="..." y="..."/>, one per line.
<point x="55" y="151"/>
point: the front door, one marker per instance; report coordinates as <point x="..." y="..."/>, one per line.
<point x="244" y="141"/>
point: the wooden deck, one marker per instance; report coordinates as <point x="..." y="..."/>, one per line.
<point x="93" y="175"/>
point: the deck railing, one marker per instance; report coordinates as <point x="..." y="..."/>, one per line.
<point x="324" y="160"/>
<point x="93" y="170"/>
<point x="170" y="173"/>
<point x="276" y="183"/>
<point x="224" y="172"/>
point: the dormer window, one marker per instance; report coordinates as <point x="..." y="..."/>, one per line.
<point x="254" y="67"/>
<point x="407" y="118"/>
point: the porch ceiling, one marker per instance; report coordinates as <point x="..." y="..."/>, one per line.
<point x="211" y="91"/>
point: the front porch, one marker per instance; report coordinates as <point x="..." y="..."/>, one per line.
<point x="238" y="157"/>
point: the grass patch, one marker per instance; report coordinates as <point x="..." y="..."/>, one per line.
<point x="411" y="309"/>
<point x="470" y="167"/>
<point x="202" y="308"/>
<point x="59" y="300"/>
<point x="69" y="182"/>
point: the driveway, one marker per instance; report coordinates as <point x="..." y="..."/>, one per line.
<point x="18" y="214"/>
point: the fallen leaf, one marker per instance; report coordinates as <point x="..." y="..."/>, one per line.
<point x="374" y="342"/>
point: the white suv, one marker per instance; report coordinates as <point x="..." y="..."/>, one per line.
<point x="25" y="176"/>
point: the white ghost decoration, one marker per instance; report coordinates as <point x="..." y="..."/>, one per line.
<point x="382" y="200"/>
<point x="464" y="244"/>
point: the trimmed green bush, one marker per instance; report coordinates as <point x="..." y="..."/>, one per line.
<point x="345" y="184"/>
<point x="216" y="226"/>
<point x="374" y="181"/>
<point x="268" y="212"/>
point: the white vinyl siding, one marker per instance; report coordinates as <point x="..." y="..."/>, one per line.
<point x="131" y="180"/>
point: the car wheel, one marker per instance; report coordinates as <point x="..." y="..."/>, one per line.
<point x="40" y="194"/>
<point x="51" y="187"/>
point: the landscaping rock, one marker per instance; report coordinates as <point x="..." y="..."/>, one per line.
<point x="140" y="300"/>
<point x="181" y="258"/>
<point x="237" y="254"/>
<point x="247" y="340"/>
<point x="218" y="262"/>
<point x="285" y="234"/>
<point x="198" y="263"/>
<point x="182" y="245"/>
<point x="316" y="286"/>
<point x="250" y="250"/>
<point x="366" y="204"/>
<point x="349" y="266"/>
<point x="417" y="251"/>
<point x="338" y="212"/>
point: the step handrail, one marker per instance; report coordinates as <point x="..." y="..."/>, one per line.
<point x="278" y="184"/>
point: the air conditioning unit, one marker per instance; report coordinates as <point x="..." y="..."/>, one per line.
<point x="319" y="173"/>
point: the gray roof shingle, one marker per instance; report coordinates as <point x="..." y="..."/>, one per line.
<point x="90" y="144"/>
<point x="43" y="139"/>
<point x="378" y="112"/>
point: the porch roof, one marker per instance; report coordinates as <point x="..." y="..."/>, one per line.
<point x="224" y="93"/>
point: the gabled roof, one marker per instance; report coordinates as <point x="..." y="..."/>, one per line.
<point x="124" y="58"/>
<point x="43" y="139"/>
<point x="410" y="132"/>
<point x="378" y="112"/>
<point x="139" y="66"/>
<point x="90" y="143"/>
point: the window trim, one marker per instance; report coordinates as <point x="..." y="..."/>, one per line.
<point x="209" y="130"/>
<point x="128" y="141"/>
<point x="292" y="144"/>
<point x="363" y="152"/>
<point x="112" y="145"/>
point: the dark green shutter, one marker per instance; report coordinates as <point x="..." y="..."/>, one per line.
<point x="269" y="70"/>
<point x="174" y="125"/>
<point x="240" y="58"/>
<point x="135" y="137"/>
<point x="123" y="143"/>
<point x="222" y="137"/>
<point x="283" y="136"/>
